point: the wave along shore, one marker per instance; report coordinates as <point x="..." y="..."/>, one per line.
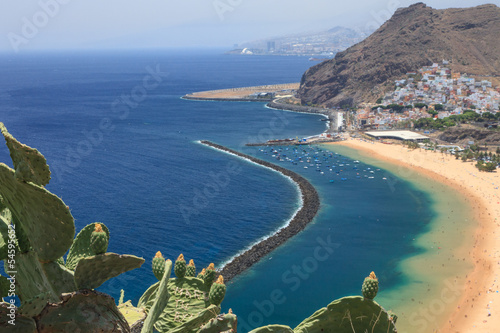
<point x="309" y="209"/>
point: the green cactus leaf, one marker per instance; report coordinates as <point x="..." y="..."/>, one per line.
<point x="91" y="272"/>
<point x="29" y="164"/>
<point x="194" y="323"/>
<point x="83" y="311"/>
<point x="4" y="235"/>
<point x="348" y="314"/>
<point x="61" y="278"/>
<point x="4" y="286"/>
<point x="81" y="245"/>
<point x="22" y="324"/>
<point x="147" y="299"/>
<point x="223" y="323"/>
<point x="45" y="219"/>
<point x="30" y="278"/>
<point x="34" y="306"/>
<point x="161" y="300"/>
<point x="273" y="329"/>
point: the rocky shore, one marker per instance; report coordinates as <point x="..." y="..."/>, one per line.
<point x="276" y="104"/>
<point x="307" y="212"/>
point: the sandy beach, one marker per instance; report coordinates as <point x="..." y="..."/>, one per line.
<point x="477" y="309"/>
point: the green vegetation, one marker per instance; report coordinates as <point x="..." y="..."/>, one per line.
<point x="453" y="120"/>
<point x="56" y="294"/>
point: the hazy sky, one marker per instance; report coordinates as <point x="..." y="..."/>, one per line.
<point x="54" y="24"/>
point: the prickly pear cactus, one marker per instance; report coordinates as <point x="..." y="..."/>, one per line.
<point x="9" y="316"/>
<point x="209" y="276"/>
<point x="180" y="267"/>
<point x="99" y="240"/>
<point x="80" y="247"/>
<point x="222" y="323"/>
<point x="158" y="265"/>
<point x="217" y="291"/>
<point x="191" y="269"/>
<point x="202" y="274"/>
<point x="198" y="319"/>
<point x="273" y="329"/>
<point x="161" y="300"/>
<point x="347" y="315"/>
<point x="370" y="286"/>
<point x="83" y="311"/>
<point x="92" y="272"/>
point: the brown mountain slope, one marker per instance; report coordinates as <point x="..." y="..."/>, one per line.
<point x="414" y="37"/>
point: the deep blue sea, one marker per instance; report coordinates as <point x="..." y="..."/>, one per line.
<point x="122" y="147"/>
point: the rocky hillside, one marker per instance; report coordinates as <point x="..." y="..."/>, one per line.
<point x="462" y="135"/>
<point x="414" y="37"/>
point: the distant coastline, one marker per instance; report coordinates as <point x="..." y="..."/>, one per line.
<point x="309" y="209"/>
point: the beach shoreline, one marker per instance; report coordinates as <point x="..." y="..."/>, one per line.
<point x="476" y="310"/>
<point x="304" y="215"/>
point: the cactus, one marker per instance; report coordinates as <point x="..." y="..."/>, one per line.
<point x="92" y="272"/>
<point x="4" y="286"/>
<point x="180" y="267"/>
<point x="273" y="329"/>
<point x="221" y="323"/>
<point x="191" y="269"/>
<point x="80" y="248"/>
<point x="82" y="311"/>
<point x="134" y="316"/>
<point x="202" y="274"/>
<point x="4" y="234"/>
<point x="209" y="275"/>
<point x="370" y="286"/>
<point x="217" y="291"/>
<point x="158" y="265"/>
<point x="34" y="306"/>
<point x="99" y="240"/>
<point x="193" y="324"/>
<point x="22" y="324"/>
<point x="61" y="279"/>
<point x="29" y="163"/>
<point x="161" y="300"/>
<point x="347" y="315"/>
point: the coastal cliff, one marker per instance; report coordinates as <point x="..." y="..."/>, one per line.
<point x="416" y="36"/>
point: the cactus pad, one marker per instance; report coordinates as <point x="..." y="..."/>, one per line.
<point x="44" y="217"/>
<point x="83" y="311"/>
<point x="4" y="236"/>
<point x="191" y="269"/>
<point x="99" y="240"/>
<point x="61" y="279"/>
<point x="29" y="163"/>
<point x="91" y="272"/>
<point x="80" y="248"/>
<point x="222" y="323"/>
<point x="202" y="274"/>
<point x="273" y="329"/>
<point x="194" y="323"/>
<point x="180" y="267"/>
<point x="161" y="300"/>
<point x="370" y="286"/>
<point x="22" y="324"/>
<point x="34" y="306"/>
<point x="4" y="286"/>
<point x="158" y="265"/>
<point x="347" y="315"/>
<point x="217" y="291"/>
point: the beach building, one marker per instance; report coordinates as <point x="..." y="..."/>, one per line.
<point x="398" y="135"/>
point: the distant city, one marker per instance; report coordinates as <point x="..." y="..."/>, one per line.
<point x="319" y="45"/>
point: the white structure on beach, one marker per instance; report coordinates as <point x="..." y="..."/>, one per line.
<point x="399" y="135"/>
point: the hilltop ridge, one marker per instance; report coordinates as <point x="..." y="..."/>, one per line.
<point x="415" y="36"/>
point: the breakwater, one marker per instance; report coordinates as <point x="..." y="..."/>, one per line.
<point x="309" y="209"/>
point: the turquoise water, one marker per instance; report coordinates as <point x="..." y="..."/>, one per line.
<point x="134" y="164"/>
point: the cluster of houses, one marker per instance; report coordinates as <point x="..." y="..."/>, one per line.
<point x="431" y="86"/>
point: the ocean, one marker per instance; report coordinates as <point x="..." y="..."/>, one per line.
<point x="123" y="149"/>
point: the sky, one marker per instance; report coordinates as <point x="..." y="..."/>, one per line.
<point x="117" y="24"/>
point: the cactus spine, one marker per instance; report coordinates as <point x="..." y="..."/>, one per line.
<point x="191" y="269"/>
<point x="99" y="240"/>
<point x="370" y="286"/>
<point x="180" y="267"/>
<point x="158" y="265"/>
<point x="217" y="291"/>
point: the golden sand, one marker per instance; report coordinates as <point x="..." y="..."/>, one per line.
<point x="471" y="298"/>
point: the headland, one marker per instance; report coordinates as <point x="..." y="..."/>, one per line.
<point x="245" y="94"/>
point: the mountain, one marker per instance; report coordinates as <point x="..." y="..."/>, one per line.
<point x="416" y="36"/>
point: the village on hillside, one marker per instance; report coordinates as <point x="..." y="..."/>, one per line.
<point x="433" y="91"/>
